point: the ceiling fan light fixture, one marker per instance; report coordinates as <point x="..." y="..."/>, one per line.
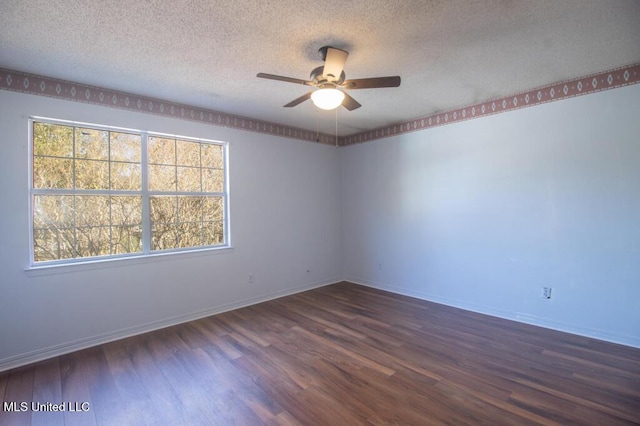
<point x="328" y="98"/>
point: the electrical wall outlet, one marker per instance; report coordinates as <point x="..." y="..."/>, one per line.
<point x="251" y="277"/>
<point x="546" y="292"/>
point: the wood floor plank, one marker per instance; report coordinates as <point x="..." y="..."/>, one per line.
<point x="106" y="401"/>
<point x="75" y="388"/>
<point x="4" y="380"/>
<point x="622" y="410"/>
<point x="284" y="419"/>
<point x="165" y="401"/>
<point x="135" y="403"/>
<point x="19" y="392"/>
<point x="47" y="388"/>
<point x="340" y="354"/>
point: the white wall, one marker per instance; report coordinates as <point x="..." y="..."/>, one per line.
<point x="285" y="219"/>
<point x="482" y="214"/>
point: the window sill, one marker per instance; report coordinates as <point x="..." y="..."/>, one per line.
<point x="117" y="262"/>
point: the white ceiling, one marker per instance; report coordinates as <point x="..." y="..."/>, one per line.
<point x="206" y="53"/>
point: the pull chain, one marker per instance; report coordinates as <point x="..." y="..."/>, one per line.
<point x="337" y="127"/>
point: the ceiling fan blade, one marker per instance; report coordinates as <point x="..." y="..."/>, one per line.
<point x="334" y="63"/>
<point x="299" y="100"/>
<point x="286" y="79"/>
<point x="372" y="83"/>
<point x="350" y="103"/>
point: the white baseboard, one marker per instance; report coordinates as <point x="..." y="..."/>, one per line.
<point x="68" y="347"/>
<point x="513" y="316"/>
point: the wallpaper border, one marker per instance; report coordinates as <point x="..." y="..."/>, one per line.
<point x="618" y="77"/>
<point x="45" y="86"/>
<point x="18" y="81"/>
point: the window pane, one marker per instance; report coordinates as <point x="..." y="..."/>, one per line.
<point x="163" y="236"/>
<point x="189" y="179"/>
<point x="52" y="211"/>
<point x="52" y="173"/>
<point x="213" y="209"/>
<point x="125" y="147"/>
<point x="92" y="210"/>
<point x="164" y="209"/>
<point x="52" y="140"/>
<point x="92" y="144"/>
<point x="213" y="233"/>
<point x="126" y="176"/>
<point x="92" y="174"/>
<point x="190" y="209"/>
<point x="190" y="234"/>
<point x="212" y="156"/>
<point x="188" y="153"/>
<point x="53" y="244"/>
<point x="162" y="178"/>
<point x="161" y="150"/>
<point x="126" y="239"/>
<point x="126" y="210"/>
<point x="93" y="241"/>
<point x="213" y="180"/>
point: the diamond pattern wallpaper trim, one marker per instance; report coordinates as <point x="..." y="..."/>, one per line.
<point x="611" y="79"/>
<point x="44" y="86"/>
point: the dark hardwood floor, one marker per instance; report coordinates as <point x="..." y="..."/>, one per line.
<point x="338" y="355"/>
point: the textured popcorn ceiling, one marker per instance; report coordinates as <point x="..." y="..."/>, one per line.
<point x="449" y="53"/>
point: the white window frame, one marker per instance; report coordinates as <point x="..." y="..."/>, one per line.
<point x="145" y="193"/>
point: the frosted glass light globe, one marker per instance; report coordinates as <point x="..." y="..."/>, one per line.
<point x="327" y="98"/>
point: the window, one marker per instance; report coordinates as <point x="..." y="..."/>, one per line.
<point x="104" y="192"/>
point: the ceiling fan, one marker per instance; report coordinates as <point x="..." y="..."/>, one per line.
<point x="328" y="79"/>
